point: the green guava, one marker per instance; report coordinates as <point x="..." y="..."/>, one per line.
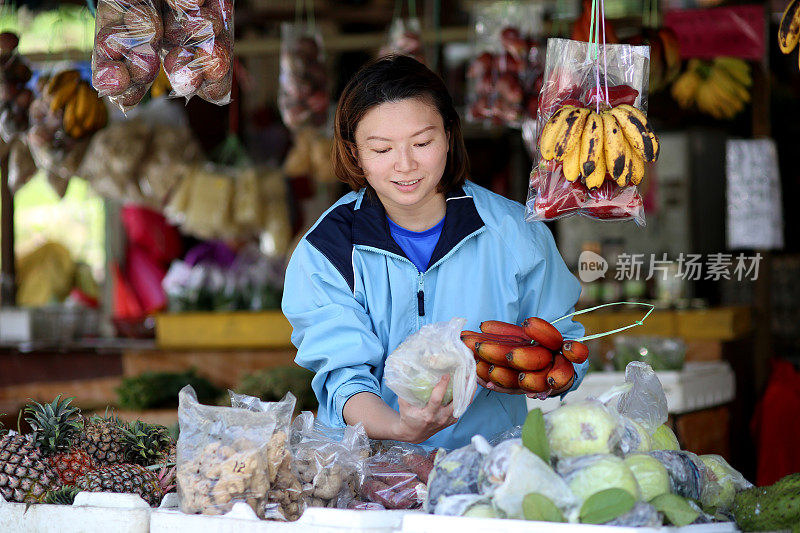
<point x="601" y="473"/>
<point x="665" y="439"/>
<point x="650" y="474"/>
<point x="581" y="429"/>
<point x="422" y="387"/>
<point x="481" y="510"/>
<point x="728" y="479"/>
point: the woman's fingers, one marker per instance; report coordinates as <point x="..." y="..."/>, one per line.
<point x="437" y="394"/>
<point x="498" y="388"/>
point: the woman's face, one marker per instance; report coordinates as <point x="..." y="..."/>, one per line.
<point x="402" y="149"/>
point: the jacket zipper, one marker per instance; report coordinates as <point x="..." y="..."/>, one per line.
<point x="420" y="294"/>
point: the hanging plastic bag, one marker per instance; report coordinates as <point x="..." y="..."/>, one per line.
<point x="505" y="77"/>
<point x="405" y="34"/>
<point x="329" y="461"/>
<point x="125" y="56"/>
<point x="197" y="49"/>
<point x="415" y="367"/>
<point x="590" y="76"/>
<point x="21" y="166"/>
<point x="15" y="98"/>
<point x="303" y="83"/>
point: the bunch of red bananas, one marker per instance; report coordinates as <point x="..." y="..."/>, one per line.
<point x="532" y="357"/>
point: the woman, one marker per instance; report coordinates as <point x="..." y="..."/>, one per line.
<point x="415" y="243"/>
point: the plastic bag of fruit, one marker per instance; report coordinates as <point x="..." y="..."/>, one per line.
<point x="578" y="168"/>
<point x="405" y="38"/>
<point x="329" y="461"/>
<point x="15" y="97"/>
<point x="397" y="477"/>
<point x="197" y="48"/>
<point x="303" y="83"/>
<point x="125" y="56"/>
<point x="417" y="365"/>
<point x="505" y="76"/>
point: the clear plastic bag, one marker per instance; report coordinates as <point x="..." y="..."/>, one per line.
<point x="505" y="76"/>
<point x="730" y="482"/>
<point x="125" y="59"/>
<point x="197" y="49"/>
<point x="572" y="76"/>
<point x="645" y="402"/>
<point x="688" y="475"/>
<point x="303" y="83"/>
<point x="415" y="367"/>
<point x="457" y="472"/>
<point x="511" y="471"/>
<point x="230" y="454"/>
<point x="329" y="461"/>
<point x="583" y="428"/>
<point x="15" y="98"/>
<point x="21" y="166"/>
<point x="589" y="474"/>
<point x="405" y="38"/>
<point x="397" y="477"/>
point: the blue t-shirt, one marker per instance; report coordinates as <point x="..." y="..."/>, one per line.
<point x="418" y="245"/>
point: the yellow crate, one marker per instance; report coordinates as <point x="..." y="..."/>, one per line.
<point x="263" y="329"/>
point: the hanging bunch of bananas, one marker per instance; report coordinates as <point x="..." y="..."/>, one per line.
<point x="720" y="88"/>
<point x="789" y="29"/>
<point x="611" y="144"/>
<point x="83" y="111"/>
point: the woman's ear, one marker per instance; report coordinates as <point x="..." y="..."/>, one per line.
<point x="448" y="140"/>
<point x="354" y="153"/>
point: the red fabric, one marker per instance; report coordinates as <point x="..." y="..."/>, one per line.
<point x="151" y="231"/>
<point x="145" y="276"/>
<point x="776" y="425"/>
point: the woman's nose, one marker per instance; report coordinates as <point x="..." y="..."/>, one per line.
<point x="405" y="160"/>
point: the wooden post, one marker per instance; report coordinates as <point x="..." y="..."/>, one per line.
<point x="8" y="283"/>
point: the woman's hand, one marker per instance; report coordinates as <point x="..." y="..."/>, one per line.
<point x="418" y="424"/>
<point x="491" y="386"/>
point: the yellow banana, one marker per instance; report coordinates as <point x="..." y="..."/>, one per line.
<point x="553" y="131"/>
<point x="571" y="134"/>
<point x="90" y="117"/>
<point x="101" y="119"/>
<point x="637" y="168"/>
<point x="789" y="28"/>
<point x="637" y="130"/>
<point x="613" y="146"/>
<point x="592" y="158"/>
<point x="685" y="87"/>
<point x="69" y="116"/>
<point x="572" y="163"/>
<point x="736" y="68"/>
<point x="63" y="94"/>
<point x="82" y="102"/>
<point x="64" y="77"/>
<point x="727" y="83"/>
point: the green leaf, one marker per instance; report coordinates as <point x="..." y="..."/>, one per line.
<point x="539" y="507"/>
<point x="606" y="505"/>
<point x="534" y="436"/>
<point x="675" y="508"/>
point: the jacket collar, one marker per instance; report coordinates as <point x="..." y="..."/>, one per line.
<point x="371" y="228"/>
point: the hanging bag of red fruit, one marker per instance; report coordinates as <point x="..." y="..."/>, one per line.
<point x="405" y="33"/>
<point x="594" y="137"/>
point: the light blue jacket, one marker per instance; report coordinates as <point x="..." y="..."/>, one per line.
<point x="352" y="297"/>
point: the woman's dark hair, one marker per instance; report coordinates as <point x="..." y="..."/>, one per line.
<point x="391" y="79"/>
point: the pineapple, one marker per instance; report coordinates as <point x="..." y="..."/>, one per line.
<point x="102" y="439"/>
<point x="147" y="444"/>
<point x="126" y="478"/>
<point x="55" y="425"/>
<point x="63" y="496"/>
<point x="25" y="477"/>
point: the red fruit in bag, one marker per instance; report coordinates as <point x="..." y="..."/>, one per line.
<point x="223" y="9"/>
<point x="617" y="95"/>
<point x="214" y="59"/>
<point x="183" y="72"/>
<point x="111" y="42"/>
<point x="480" y="65"/>
<point x="144" y="24"/>
<point x="143" y="64"/>
<point x="110" y="78"/>
<point x="184" y="5"/>
<point x="561" y="202"/>
<point x="200" y="25"/>
<point x="509" y="87"/>
<point x="132" y="95"/>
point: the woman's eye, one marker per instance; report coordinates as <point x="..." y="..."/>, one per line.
<point x="381" y="151"/>
<point x="425" y="143"/>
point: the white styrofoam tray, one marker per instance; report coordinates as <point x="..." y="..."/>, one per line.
<point x="699" y="385"/>
<point x="242" y="519"/>
<point x="90" y="513"/>
<point x="417" y="523"/>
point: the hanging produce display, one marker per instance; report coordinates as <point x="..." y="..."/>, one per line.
<point x="582" y="27"/>
<point x="125" y="56"/>
<point x="505" y="77"/>
<point x="720" y="88"/>
<point x="405" y="33"/>
<point x="789" y="28"/>
<point x="303" y="84"/>
<point x="15" y="98"/>
<point x="197" y="49"/>
<point x="595" y="138"/>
